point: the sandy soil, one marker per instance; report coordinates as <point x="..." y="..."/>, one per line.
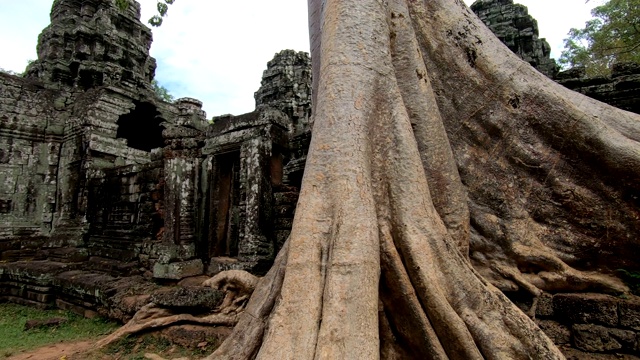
<point x="68" y="350"/>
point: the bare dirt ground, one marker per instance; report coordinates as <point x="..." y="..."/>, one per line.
<point x="175" y="342"/>
<point x="68" y="350"/>
<point x="85" y="350"/>
<point x="134" y="348"/>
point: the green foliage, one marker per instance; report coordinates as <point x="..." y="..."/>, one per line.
<point x="122" y="4"/>
<point x="13" y="338"/>
<point x="632" y="279"/>
<point x="162" y="91"/>
<point x="613" y="35"/>
<point x="156" y="20"/>
<point x="163" y="7"/>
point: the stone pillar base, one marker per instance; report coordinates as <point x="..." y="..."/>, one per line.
<point x="256" y="267"/>
<point x="178" y="270"/>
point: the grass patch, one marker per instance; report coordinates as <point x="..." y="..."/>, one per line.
<point x="13" y="337"/>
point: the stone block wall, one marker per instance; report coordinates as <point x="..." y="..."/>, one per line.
<point x="92" y="43"/>
<point x="286" y="86"/>
<point x="513" y="25"/>
<point x="30" y="139"/>
<point x="591" y="323"/>
<point x="620" y="89"/>
<point x="285" y="202"/>
<point x="126" y="212"/>
<point x="84" y="108"/>
<point x="43" y="284"/>
<point x="177" y="257"/>
<point x="243" y="163"/>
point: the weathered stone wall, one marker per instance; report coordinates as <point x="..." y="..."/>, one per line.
<point x="285" y="200"/>
<point x="177" y="257"/>
<point x="85" y="107"/>
<point x="620" y="89"/>
<point x="92" y="43"/>
<point x="92" y="143"/>
<point x="593" y="324"/>
<point x="30" y="139"/>
<point x="43" y="284"/>
<point x="243" y="164"/>
<point x="247" y="205"/>
<point x="286" y="86"/>
<point x="126" y="211"/>
<point x="513" y="25"/>
<point x="102" y="211"/>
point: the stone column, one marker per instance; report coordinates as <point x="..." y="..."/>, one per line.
<point x="183" y="140"/>
<point x="256" y="247"/>
<point x="69" y="226"/>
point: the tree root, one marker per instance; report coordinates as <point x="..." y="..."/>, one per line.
<point x="237" y="285"/>
<point x="134" y="327"/>
<point x="553" y="274"/>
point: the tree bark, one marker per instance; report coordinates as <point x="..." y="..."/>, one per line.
<point x="431" y="140"/>
<point x="552" y="176"/>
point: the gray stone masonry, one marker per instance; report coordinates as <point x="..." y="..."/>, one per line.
<point x="92" y="43"/>
<point x="513" y="25"/>
<point x="286" y="86"/>
<point x="620" y="89"/>
<point x="80" y="180"/>
<point x="247" y="202"/>
<point x="181" y="156"/>
<point x="31" y="134"/>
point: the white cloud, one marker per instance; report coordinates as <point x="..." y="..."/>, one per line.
<point x="216" y="50"/>
<point x="20" y="23"/>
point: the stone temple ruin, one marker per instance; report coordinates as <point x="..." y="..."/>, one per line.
<point x="98" y="170"/>
<point x="106" y="191"/>
<point x="101" y="179"/>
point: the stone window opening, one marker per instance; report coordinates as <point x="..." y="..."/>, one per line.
<point x="141" y="127"/>
<point x="89" y="79"/>
<point x="5" y="206"/>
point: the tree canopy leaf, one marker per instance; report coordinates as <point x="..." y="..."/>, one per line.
<point x="613" y="35"/>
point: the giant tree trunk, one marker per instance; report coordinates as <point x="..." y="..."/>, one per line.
<point x="425" y="124"/>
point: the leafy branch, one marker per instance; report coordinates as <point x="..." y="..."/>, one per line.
<point x="613" y="35"/>
<point x="156" y="20"/>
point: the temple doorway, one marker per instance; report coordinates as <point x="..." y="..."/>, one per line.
<point x="224" y="224"/>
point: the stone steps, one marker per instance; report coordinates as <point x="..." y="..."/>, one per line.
<point x="48" y="284"/>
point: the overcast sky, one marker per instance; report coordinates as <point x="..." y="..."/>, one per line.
<point x="216" y="50"/>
